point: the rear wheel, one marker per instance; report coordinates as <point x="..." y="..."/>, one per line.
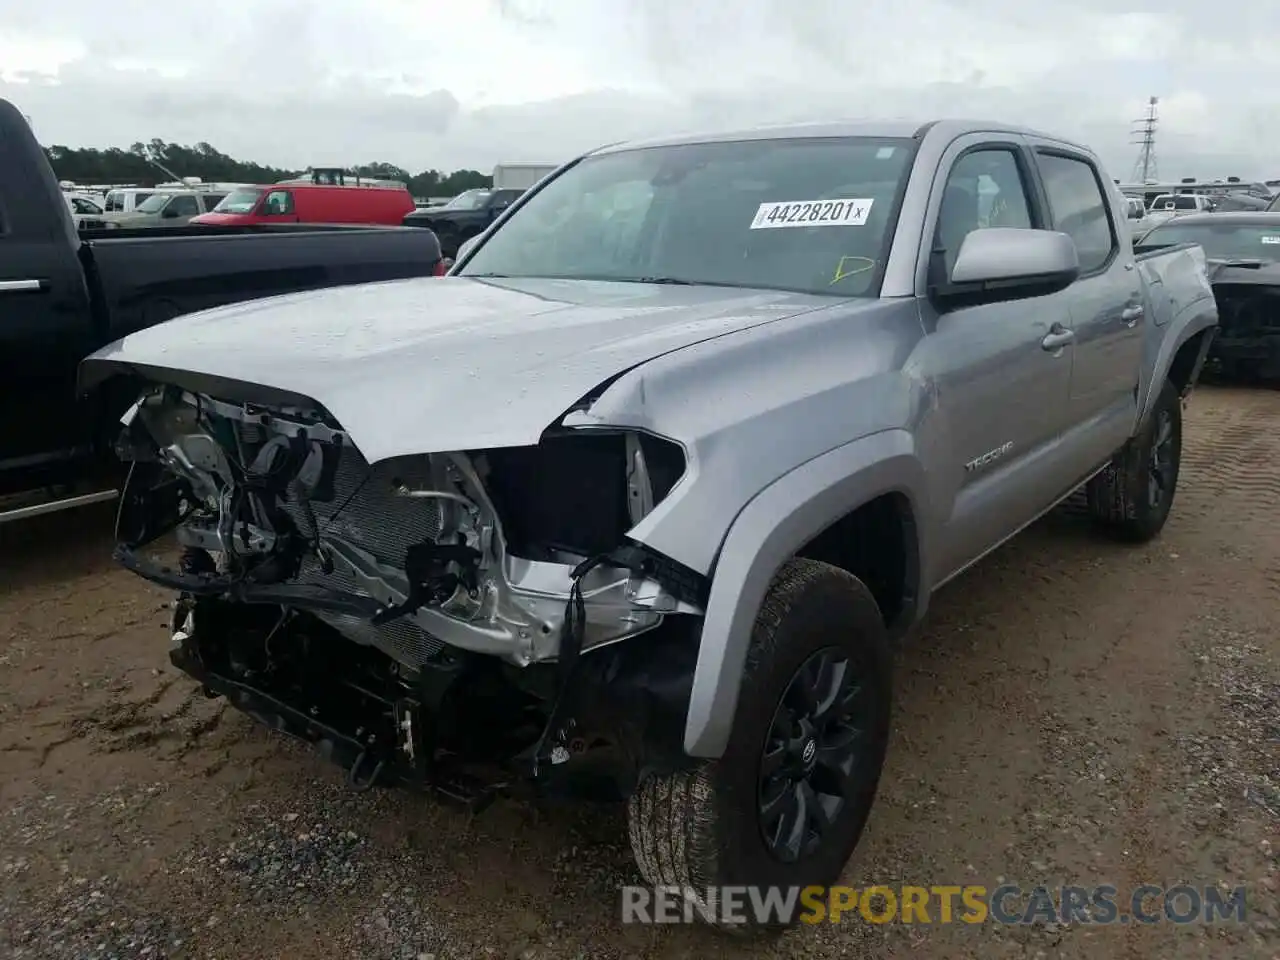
<point x="1132" y="497"/>
<point x="786" y="804"/>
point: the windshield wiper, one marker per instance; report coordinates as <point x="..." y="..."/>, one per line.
<point x="677" y="282"/>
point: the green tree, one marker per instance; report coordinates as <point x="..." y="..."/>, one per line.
<point x="138" y="164"/>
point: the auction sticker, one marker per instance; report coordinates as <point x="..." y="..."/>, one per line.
<point x="811" y="213"/>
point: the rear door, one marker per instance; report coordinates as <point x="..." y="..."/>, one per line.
<point x="501" y="199"/>
<point x="1106" y="303"/>
<point x="1001" y="392"/>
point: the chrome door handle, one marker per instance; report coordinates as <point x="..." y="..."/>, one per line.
<point x="1131" y="315"/>
<point x="1057" y="337"/>
<point x="18" y="286"/>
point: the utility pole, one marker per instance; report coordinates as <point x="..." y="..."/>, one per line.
<point x="1144" y="134"/>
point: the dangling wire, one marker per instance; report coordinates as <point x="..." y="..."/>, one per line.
<point x="572" y="634"/>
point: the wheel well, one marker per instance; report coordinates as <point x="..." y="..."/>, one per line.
<point x="1184" y="363"/>
<point x="109" y="401"/>
<point x="877" y="544"/>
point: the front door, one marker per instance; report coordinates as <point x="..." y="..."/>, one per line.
<point x="278" y="207"/>
<point x="1000" y="388"/>
<point x="45" y="329"/>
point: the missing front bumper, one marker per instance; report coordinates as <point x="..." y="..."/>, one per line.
<point x="463" y="728"/>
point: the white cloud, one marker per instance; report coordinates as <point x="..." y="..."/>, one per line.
<point x="472" y="84"/>
<point x="26" y="56"/>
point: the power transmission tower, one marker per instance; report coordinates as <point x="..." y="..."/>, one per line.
<point x="1144" y="133"/>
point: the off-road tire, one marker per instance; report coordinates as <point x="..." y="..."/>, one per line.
<point x="699" y="828"/>
<point x="1118" y="496"/>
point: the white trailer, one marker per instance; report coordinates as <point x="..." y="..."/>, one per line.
<point x="520" y="176"/>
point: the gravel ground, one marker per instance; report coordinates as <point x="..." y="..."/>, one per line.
<point x="1073" y="711"/>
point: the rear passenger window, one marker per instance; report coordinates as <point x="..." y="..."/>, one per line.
<point x="984" y="189"/>
<point x="1078" y="207"/>
<point x="211" y="200"/>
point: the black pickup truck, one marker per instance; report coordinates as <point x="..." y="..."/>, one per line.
<point x="64" y="293"/>
<point x="467" y="215"/>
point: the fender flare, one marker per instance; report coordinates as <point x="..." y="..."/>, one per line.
<point x="1195" y="318"/>
<point x="770" y="529"/>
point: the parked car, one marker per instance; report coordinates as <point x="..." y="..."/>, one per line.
<point x="1168" y="206"/>
<point x="636" y="500"/>
<point x="64" y="294"/>
<point x="1243" y="251"/>
<point x="169" y="209"/>
<point x="312" y="203"/>
<point x="465" y="216"/>
<point x="126" y="199"/>
<point x="1239" y="203"/>
<point x="86" y="212"/>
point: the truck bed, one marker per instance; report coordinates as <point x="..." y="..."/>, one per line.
<point x="68" y="289"/>
<point x="142" y="277"/>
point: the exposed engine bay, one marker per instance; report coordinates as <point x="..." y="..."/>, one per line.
<point x="1248" y="341"/>
<point x="328" y="596"/>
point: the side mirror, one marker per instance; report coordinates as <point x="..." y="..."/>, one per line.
<point x="1001" y="263"/>
<point x="168" y="213"/>
<point x="1136" y="213"/>
<point x="466" y="247"/>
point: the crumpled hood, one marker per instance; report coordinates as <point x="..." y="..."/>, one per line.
<point x="435" y="364"/>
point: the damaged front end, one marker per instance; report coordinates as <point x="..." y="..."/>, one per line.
<point x="419" y="615"/>
<point x="1248" y="339"/>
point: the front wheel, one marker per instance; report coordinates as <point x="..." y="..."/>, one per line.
<point x="785" y="806"/>
<point x="1131" y="498"/>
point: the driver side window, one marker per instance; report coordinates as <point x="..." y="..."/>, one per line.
<point x="984" y="189"/>
<point x="278" y="203"/>
<point x="184" y="206"/>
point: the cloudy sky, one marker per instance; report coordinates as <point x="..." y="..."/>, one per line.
<point x="450" y="83"/>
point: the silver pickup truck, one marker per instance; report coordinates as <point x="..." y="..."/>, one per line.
<point x="637" y="500"/>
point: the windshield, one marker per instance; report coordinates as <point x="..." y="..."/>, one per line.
<point x="469" y="200"/>
<point x="238" y="201"/>
<point x="153" y="204"/>
<point x="1222" y="241"/>
<point x="812" y="215"/>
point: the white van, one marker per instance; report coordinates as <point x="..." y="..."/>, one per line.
<point x="126" y="200"/>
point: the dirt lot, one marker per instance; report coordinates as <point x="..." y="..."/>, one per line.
<point x="1074" y="712"/>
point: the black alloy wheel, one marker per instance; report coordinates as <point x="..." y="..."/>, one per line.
<point x="809" y="765"/>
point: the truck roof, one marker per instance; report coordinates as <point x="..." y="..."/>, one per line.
<point x="843" y="128"/>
